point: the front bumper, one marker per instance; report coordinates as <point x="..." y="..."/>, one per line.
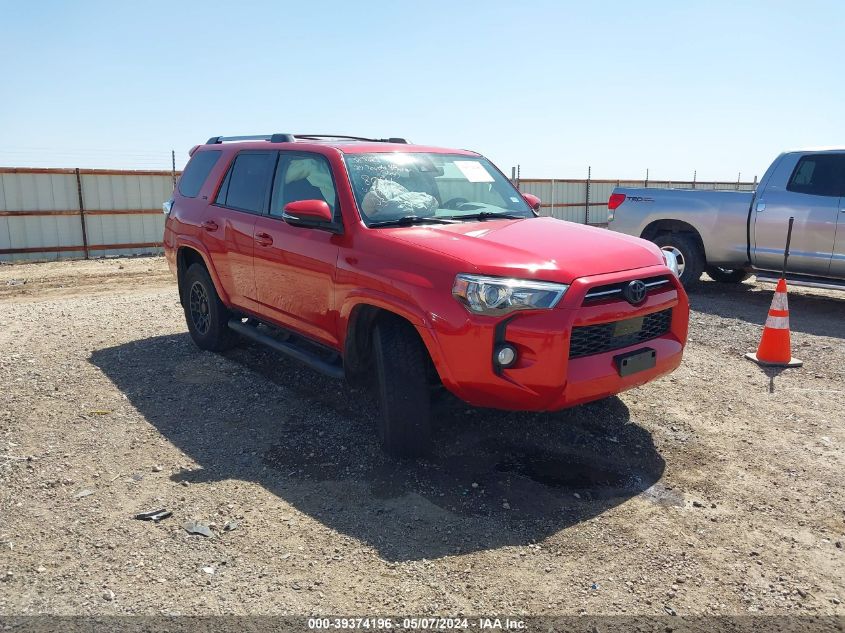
<point x="545" y="378"/>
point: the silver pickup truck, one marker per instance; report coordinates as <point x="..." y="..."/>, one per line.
<point x="730" y="234"/>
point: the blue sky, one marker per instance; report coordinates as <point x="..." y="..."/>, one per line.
<point x="717" y="87"/>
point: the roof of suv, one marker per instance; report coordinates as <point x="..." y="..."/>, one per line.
<point x="345" y="144"/>
<point x="816" y="150"/>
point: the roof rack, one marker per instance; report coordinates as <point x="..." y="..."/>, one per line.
<point x="290" y="138"/>
<point x="273" y="138"/>
<point x="392" y="139"/>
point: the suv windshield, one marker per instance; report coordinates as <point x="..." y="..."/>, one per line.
<point x="394" y="186"/>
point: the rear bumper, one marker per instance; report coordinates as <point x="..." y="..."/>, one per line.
<point x="544" y="378"/>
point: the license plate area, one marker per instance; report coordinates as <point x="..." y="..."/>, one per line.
<point x="636" y="361"/>
<point x="628" y="326"/>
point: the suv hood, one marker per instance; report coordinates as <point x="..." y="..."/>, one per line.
<point x="533" y="248"/>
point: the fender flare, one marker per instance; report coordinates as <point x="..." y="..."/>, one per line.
<point x="199" y="247"/>
<point x="410" y="312"/>
<point x="692" y="230"/>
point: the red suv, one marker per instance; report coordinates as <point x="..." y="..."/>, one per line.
<point x="413" y="266"/>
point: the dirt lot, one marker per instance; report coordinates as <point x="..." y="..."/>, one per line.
<point x="718" y="489"/>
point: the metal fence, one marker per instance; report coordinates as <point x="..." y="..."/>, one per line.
<point x="76" y="213"/>
<point x="80" y="213"/>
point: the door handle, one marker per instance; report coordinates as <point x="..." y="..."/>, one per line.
<point x="264" y="239"/>
<point x="210" y="225"/>
<point x="761" y="206"/>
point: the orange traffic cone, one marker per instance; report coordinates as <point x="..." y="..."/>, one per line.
<point x="774" y="349"/>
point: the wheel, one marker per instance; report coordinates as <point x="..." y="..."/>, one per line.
<point x="727" y="275"/>
<point x="402" y="382"/>
<point x="687" y="252"/>
<point x="205" y="314"/>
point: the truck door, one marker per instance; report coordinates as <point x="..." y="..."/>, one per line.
<point x="811" y="196"/>
<point x="295" y="266"/>
<point x="231" y="219"/>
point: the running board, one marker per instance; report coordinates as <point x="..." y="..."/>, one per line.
<point x="802" y="280"/>
<point x="309" y="358"/>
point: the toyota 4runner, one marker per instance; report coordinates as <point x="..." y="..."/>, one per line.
<point x="407" y="266"/>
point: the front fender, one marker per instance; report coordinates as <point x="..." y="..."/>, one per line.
<point x="415" y="315"/>
<point x="411" y="312"/>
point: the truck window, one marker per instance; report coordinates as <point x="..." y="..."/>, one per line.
<point x="246" y="184"/>
<point x="302" y="176"/>
<point x="819" y="175"/>
<point x="196" y="172"/>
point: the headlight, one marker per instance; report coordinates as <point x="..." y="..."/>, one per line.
<point x="497" y="295"/>
<point x="671" y="261"/>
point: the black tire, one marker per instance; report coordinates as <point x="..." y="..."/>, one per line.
<point x="205" y="314"/>
<point x="727" y="275"/>
<point x="690" y="255"/>
<point x="401" y="362"/>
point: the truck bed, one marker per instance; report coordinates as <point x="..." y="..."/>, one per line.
<point x="720" y="217"/>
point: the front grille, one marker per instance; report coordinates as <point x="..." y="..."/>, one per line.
<point x="595" y="339"/>
<point x="614" y="291"/>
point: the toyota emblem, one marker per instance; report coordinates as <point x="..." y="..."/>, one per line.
<point x="634" y="292"/>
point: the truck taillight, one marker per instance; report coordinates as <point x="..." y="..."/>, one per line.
<point x="615" y="200"/>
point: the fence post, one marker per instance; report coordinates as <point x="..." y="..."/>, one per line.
<point x="552" y="201"/>
<point x="587" y="203"/>
<point x="646" y="177"/>
<point x="173" y="166"/>
<point x="694" y="175"/>
<point x="82" y="214"/>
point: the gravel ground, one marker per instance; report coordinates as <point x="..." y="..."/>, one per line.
<point x="715" y="490"/>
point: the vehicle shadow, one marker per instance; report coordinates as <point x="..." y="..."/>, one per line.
<point x="810" y="311"/>
<point x="496" y="478"/>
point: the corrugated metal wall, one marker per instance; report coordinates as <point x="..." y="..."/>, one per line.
<point x="41" y="217"/>
<point x="124" y="208"/>
<point x="39" y="209"/>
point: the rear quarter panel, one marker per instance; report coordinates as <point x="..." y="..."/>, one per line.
<point x="182" y="226"/>
<point x="720" y="217"/>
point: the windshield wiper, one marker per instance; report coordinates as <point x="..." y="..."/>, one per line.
<point x="486" y="215"/>
<point x="408" y="220"/>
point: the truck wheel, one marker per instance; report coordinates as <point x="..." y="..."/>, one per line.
<point x="205" y="314"/>
<point x="727" y="275"/>
<point x="688" y="253"/>
<point x="401" y="373"/>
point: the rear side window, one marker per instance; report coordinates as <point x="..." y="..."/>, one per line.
<point x="196" y="172"/>
<point x="819" y="175"/>
<point x="246" y="185"/>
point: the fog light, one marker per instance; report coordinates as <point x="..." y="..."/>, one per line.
<point x="506" y="355"/>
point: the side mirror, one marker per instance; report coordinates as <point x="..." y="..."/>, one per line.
<point x="307" y="213"/>
<point x="532" y="200"/>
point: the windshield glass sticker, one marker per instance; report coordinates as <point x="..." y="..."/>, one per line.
<point x="473" y="171"/>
